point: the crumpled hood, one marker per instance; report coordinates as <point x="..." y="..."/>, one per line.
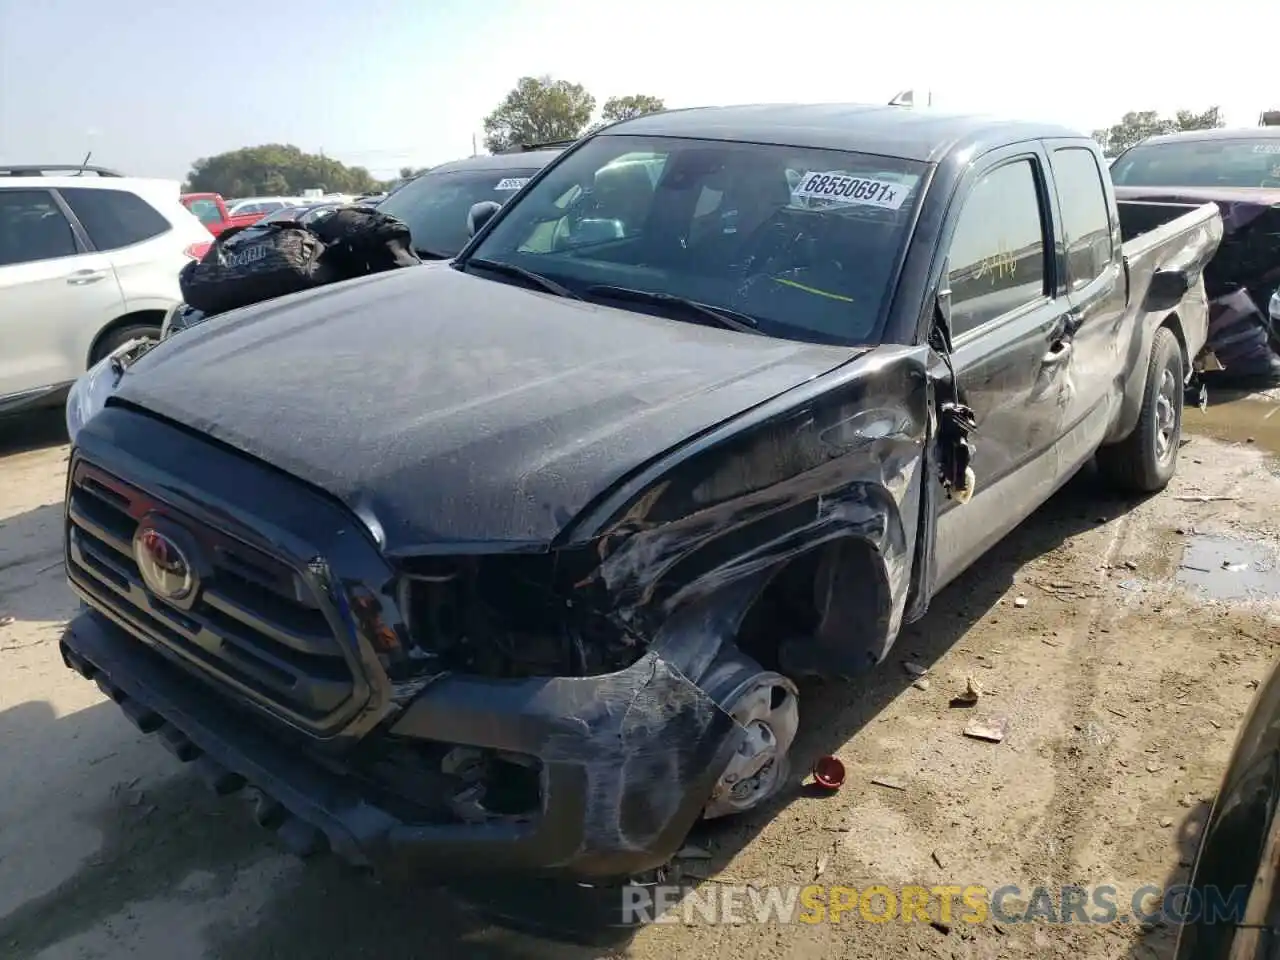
<point x="453" y="410"/>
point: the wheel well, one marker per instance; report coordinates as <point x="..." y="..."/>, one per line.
<point x="791" y="604"/>
<point x="153" y="318"/>
<point x="1174" y="325"/>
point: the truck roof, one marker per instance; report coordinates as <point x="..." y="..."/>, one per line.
<point x="905" y="132"/>
<point x="1220" y="133"/>
<point x="523" y="160"/>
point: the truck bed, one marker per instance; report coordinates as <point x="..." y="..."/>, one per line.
<point x="1169" y="236"/>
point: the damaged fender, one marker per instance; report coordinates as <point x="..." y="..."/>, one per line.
<point x="808" y="507"/>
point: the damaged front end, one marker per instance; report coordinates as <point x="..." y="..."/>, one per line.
<point x="574" y="706"/>
<point x="686" y="600"/>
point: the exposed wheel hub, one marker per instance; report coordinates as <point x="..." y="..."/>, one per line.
<point x="768" y="710"/>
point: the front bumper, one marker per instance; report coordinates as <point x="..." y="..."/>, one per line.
<point x="629" y="761"/>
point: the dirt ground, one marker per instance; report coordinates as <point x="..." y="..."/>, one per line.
<point x="1123" y="677"/>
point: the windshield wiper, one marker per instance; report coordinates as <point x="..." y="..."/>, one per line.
<point x="718" y="316"/>
<point x="511" y="270"/>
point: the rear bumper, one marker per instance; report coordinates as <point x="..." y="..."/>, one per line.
<point x="628" y="761"/>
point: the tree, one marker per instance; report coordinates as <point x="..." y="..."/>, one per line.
<point x="1137" y="125"/>
<point x="275" y="169"/>
<point x="1211" y="119"/>
<point x="538" y="110"/>
<point x="630" y="107"/>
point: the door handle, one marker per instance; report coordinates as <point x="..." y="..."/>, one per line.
<point x="81" y="277"/>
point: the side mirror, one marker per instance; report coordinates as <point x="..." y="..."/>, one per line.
<point x="1167" y="289"/>
<point x="480" y="214"/>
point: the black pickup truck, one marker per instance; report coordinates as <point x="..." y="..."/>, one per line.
<point x="510" y="564"/>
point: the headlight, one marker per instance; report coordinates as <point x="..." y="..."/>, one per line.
<point x="89" y="393"/>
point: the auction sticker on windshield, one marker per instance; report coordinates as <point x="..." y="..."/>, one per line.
<point x="1266" y="148"/>
<point x="512" y="183"/>
<point x="843" y="188"/>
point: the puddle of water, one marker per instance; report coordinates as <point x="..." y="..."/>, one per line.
<point x="1229" y="569"/>
<point x="1241" y="421"/>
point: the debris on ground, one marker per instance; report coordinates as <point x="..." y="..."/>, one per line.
<point x="1020" y="602"/>
<point x="992" y="730"/>
<point x="1166" y="821"/>
<point x="828" y="773"/>
<point x="5" y="621"/>
<point x="820" y="867"/>
<point x="886" y="782"/>
<point x="938" y="859"/>
<point x="1203" y="498"/>
<point x="921" y="683"/>
<point x="972" y="691"/>
<point x="914" y="668"/>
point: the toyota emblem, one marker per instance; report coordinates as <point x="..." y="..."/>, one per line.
<point x="164" y="566"/>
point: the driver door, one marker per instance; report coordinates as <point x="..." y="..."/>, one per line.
<point x="1010" y="326"/>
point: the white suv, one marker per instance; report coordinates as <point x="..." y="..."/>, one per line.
<point x="86" y="263"/>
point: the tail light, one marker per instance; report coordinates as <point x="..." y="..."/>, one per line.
<point x="197" y="250"/>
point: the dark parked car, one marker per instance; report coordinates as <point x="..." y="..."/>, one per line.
<point x="303" y="213"/>
<point x="1233" y="902"/>
<point x="1239" y="170"/>
<point x="509" y="563"/>
<point x="435" y="204"/>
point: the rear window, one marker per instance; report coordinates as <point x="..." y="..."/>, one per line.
<point x="1253" y="162"/>
<point x="435" y="205"/>
<point x="803" y="241"/>
<point x="114" y="218"/>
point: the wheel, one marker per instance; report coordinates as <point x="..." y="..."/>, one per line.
<point x="123" y="335"/>
<point x="1144" y="461"/>
<point x="766" y="706"/>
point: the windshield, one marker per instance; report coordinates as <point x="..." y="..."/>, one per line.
<point x="804" y="242"/>
<point x="1201" y="163"/>
<point x="435" y="205"/>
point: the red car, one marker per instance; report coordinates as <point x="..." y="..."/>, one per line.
<point x="211" y="210"/>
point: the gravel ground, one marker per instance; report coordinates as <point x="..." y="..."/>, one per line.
<point x="1122" y="678"/>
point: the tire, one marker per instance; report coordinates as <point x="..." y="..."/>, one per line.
<point x="122" y="335"/>
<point x="1145" y="461"/>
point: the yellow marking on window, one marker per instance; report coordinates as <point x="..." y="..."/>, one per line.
<point x="821" y="293"/>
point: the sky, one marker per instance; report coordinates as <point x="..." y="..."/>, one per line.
<point x="149" y="87"/>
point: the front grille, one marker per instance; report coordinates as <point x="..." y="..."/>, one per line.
<point x="255" y="624"/>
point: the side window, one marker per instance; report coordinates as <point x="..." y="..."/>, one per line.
<point x="114" y="218"/>
<point x="998" y="250"/>
<point x="205" y="210"/>
<point x="33" y="228"/>
<point x="1086" y="222"/>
